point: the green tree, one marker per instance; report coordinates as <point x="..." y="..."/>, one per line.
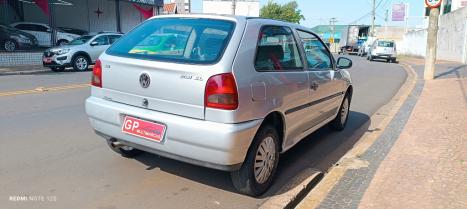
<point x="287" y="12"/>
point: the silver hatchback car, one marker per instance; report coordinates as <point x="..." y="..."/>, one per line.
<point x="224" y="92"/>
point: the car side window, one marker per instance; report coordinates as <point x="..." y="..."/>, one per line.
<point x="113" y="38"/>
<point x="40" y="28"/>
<point x="317" y="55"/>
<point x="277" y="50"/>
<point x="22" y="27"/>
<point x="101" y="40"/>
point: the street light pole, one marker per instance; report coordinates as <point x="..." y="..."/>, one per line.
<point x="332" y="23"/>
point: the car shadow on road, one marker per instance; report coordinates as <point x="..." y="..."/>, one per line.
<point x="318" y="151"/>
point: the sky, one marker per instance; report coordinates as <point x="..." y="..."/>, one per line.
<point x="318" y="12"/>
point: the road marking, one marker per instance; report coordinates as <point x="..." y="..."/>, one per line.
<point x="43" y="89"/>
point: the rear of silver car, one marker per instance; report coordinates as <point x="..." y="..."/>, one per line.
<point x="383" y="49"/>
<point x="175" y="93"/>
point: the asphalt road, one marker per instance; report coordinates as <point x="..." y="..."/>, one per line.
<point x="49" y="152"/>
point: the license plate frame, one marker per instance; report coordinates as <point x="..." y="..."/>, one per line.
<point x="142" y="128"/>
<point x="47" y="60"/>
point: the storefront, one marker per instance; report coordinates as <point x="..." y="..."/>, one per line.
<point x="76" y="15"/>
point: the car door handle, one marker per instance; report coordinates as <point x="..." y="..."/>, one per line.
<point x="314" y="86"/>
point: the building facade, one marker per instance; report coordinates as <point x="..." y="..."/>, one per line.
<point x="236" y="7"/>
<point x="452" y="5"/>
<point x="89" y="15"/>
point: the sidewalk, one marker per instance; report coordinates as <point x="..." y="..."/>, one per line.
<point x="420" y="159"/>
<point x="23" y="69"/>
<point x="427" y="166"/>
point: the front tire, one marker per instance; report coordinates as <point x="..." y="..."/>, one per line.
<point x="10" y="45"/>
<point x="257" y="172"/>
<point x="80" y="63"/>
<point x="340" y="121"/>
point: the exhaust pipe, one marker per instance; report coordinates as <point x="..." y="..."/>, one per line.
<point x="117" y="144"/>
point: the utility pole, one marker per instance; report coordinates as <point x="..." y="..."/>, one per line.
<point x="332" y="24"/>
<point x="234" y="5"/>
<point x="373" y="18"/>
<point x="386" y="18"/>
<point x="432" y="44"/>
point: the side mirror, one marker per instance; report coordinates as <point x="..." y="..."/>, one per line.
<point x="344" y="63"/>
<point x="94" y="43"/>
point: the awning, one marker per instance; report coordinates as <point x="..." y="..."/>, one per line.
<point x="158" y="3"/>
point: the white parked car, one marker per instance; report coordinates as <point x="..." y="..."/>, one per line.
<point x="79" y="53"/>
<point x="43" y="32"/>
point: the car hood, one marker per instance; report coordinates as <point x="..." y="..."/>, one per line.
<point x="71" y="47"/>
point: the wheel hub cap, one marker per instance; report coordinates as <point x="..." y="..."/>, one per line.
<point x="81" y="63"/>
<point x="344" y="111"/>
<point x="10" y="46"/>
<point x="264" y="160"/>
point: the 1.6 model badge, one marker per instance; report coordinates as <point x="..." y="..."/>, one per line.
<point x="144" y="80"/>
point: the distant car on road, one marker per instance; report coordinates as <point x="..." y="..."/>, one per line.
<point x="12" y="39"/>
<point x="365" y="48"/>
<point x="383" y="49"/>
<point x="79" y="53"/>
<point x="42" y="32"/>
<point x="231" y="93"/>
<point x="74" y="31"/>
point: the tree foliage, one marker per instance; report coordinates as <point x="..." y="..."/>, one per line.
<point x="286" y="12"/>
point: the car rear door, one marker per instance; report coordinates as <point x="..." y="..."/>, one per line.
<point x="325" y="86"/>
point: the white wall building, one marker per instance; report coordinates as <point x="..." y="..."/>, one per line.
<point x="452" y="5"/>
<point x="242" y="7"/>
<point x="183" y="6"/>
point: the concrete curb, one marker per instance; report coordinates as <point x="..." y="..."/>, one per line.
<point x="351" y="159"/>
<point x="294" y="191"/>
<point x="29" y="72"/>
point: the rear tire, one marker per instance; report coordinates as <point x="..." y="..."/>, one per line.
<point x="257" y="172"/>
<point x="125" y="151"/>
<point x="340" y="121"/>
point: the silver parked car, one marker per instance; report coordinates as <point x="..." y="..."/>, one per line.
<point x="224" y="92"/>
<point x="383" y="49"/>
<point x="79" y="53"/>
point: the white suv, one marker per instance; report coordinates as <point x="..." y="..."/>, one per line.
<point x="43" y="32"/>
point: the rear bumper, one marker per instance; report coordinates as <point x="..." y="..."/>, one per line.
<point x="205" y="143"/>
<point x="384" y="56"/>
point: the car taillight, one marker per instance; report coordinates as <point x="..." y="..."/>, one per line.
<point x="221" y="92"/>
<point x="97" y="74"/>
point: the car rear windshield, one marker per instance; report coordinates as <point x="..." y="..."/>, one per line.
<point x="386" y="44"/>
<point x="186" y="40"/>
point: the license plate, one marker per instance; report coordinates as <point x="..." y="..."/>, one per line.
<point x="47" y="60"/>
<point x="144" y="129"/>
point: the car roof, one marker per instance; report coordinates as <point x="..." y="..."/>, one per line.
<point x="32" y="23"/>
<point x="236" y="18"/>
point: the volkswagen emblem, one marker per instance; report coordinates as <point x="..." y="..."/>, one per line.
<point x="144" y="80"/>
